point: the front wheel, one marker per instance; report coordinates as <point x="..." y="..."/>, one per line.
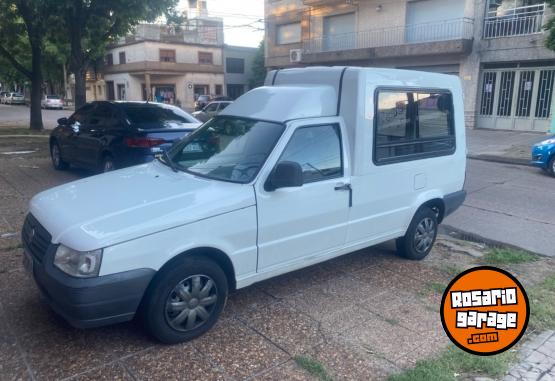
<point x="56" y="155"/>
<point x="551" y="166"/>
<point x="185" y="300"/>
<point x="420" y="236"/>
<point x="107" y="164"/>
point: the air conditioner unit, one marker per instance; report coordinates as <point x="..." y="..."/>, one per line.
<point x="295" y="55"/>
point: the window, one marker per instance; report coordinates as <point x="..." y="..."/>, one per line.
<point x="121" y="58"/>
<point x="223" y="105"/>
<point x="219" y="89"/>
<point x="205" y="58"/>
<point x="235" y="65"/>
<point x="317" y="149"/>
<point x="103" y="116"/>
<point x="288" y="33"/>
<point x="167" y="55"/>
<point x="412" y="125"/>
<point x="488" y="91"/>
<point x="109" y="59"/>
<point x="212" y="107"/>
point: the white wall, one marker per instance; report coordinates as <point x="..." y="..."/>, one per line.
<point x="150" y="51"/>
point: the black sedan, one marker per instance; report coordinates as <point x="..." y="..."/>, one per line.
<point x="103" y="136"/>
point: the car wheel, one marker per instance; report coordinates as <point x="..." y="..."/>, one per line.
<point x="420" y="236"/>
<point x="185" y="300"/>
<point x="107" y="164"/>
<point x="56" y="156"/>
<point x="551" y="166"/>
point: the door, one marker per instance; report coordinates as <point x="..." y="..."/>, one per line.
<point x="235" y="91"/>
<point x="76" y="124"/>
<point x="339" y="32"/>
<point x="110" y="90"/>
<point x="297" y="223"/>
<point x="90" y="140"/>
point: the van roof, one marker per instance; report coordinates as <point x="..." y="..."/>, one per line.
<point x="315" y="91"/>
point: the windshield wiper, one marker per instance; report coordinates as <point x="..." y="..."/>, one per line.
<point x="169" y="161"/>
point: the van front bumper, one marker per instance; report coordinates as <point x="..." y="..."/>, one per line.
<point x="89" y="302"/>
<point x="453" y="201"/>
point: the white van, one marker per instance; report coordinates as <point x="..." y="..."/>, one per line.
<point x="318" y="163"/>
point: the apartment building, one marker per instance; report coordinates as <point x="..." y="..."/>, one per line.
<point x="238" y="69"/>
<point x="496" y="47"/>
<point x="167" y="64"/>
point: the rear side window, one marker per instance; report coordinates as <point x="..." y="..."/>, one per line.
<point x="155" y="116"/>
<point x="412" y="125"/>
<point x="318" y="151"/>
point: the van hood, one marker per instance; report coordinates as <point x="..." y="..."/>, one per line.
<point x="118" y="206"/>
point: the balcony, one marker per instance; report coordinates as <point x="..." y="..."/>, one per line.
<point x="515" y="22"/>
<point x="323" y="2"/>
<point x="449" y="30"/>
<point x="157" y="67"/>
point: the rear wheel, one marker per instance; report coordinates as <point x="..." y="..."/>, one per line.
<point x="420" y="236"/>
<point x="107" y="164"/>
<point x="56" y="156"/>
<point x="185" y="300"/>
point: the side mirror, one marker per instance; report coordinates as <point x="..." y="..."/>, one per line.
<point x="287" y="174"/>
<point x="62" y="121"/>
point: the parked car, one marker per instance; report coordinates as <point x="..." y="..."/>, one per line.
<point x="15" y="99"/>
<point x="543" y="155"/>
<point x="211" y="110"/>
<point x="103" y="136"/>
<point x="3" y="94"/>
<point x="201" y="102"/>
<point x="52" y="101"/>
<point x="222" y="98"/>
<point x="329" y="161"/>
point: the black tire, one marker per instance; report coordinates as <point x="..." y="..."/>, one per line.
<point x="161" y="321"/>
<point x="420" y="236"/>
<point x="551" y="166"/>
<point x="107" y="164"/>
<point x="56" y="156"/>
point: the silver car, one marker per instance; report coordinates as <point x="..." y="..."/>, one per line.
<point x="15" y="99"/>
<point x="52" y="101"/>
<point x="211" y="110"/>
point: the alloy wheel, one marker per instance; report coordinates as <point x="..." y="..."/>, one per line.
<point x="424" y="235"/>
<point x="191" y="303"/>
<point x="56" y="155"/>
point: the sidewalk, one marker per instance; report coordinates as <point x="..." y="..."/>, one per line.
<point x="538" y="359"/>
<point x="502" y="146"/>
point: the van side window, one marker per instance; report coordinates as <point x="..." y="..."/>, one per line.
<point x="318" y="150"/>
<point x="411" y="125"/>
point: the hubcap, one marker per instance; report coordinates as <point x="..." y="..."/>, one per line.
<point x="191" y="303"/>
<point x="424" y="236"/>
<point x="55" y="155"/>
<point x="108" y="166"/>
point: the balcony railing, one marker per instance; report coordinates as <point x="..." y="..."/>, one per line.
<point x="515" y="22"/>
<point x="455" y="29"/>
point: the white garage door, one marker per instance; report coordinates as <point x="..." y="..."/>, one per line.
<point x="427" y="20"/>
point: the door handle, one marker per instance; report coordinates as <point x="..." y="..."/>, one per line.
<point x="342" y="187"/>
<point x="346" y="187"/>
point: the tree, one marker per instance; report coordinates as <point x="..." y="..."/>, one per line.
<point x="91" y="25"/>
<point x="26" y="18"/>
<point x="258" y="68"/>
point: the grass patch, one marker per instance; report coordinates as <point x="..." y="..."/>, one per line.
<point x="22" y="131"/>
<point x="508" y="256"/>
<point x="433" y="288"/>
<point x="314" y="367"/>
<point x="454" y="363"/>
<point x="452" y="271"/>
<point x="542" y="308"/>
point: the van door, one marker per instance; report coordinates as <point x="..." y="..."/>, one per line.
<point x="294" y="223"/>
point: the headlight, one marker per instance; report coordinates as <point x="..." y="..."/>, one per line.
<point x="81" y="264"/>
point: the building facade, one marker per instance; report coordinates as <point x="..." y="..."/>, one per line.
<point x="167" y="64"/>
<point x="238" y="69"/>
<point x="496" y="47"/>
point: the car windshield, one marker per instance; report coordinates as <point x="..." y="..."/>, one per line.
<point x="52" y="97"/>
<point x="155" y="116"/>
<point x="17" y="95"/>
<point x="227" y="148"/>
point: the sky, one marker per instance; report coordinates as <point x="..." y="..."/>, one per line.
<point x="243" y="25"/>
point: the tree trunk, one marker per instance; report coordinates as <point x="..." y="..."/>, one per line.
<point x="36" y="87"/>
<point x="80" y="87"/>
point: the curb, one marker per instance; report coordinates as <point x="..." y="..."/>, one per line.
<point x="501" y="159"/>
<point x="466" y="236"/>
<point x="24" y="136"/>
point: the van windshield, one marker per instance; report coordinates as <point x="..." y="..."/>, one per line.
<point x="227" y="148"/>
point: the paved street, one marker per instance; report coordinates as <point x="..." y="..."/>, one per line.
<point x="509" y="203"/>
<point x="18" y="116"/>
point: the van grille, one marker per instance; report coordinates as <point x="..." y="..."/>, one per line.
<point x="35" y="237"/>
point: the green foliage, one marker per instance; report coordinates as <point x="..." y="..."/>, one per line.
<point x="455" y="362"/>
<point x="542" y="308"/>
<point x="314" y="367"/>
<point x="258" y="68"/>
<point x="508" y="256"/>
<point x="550" y="27"/>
